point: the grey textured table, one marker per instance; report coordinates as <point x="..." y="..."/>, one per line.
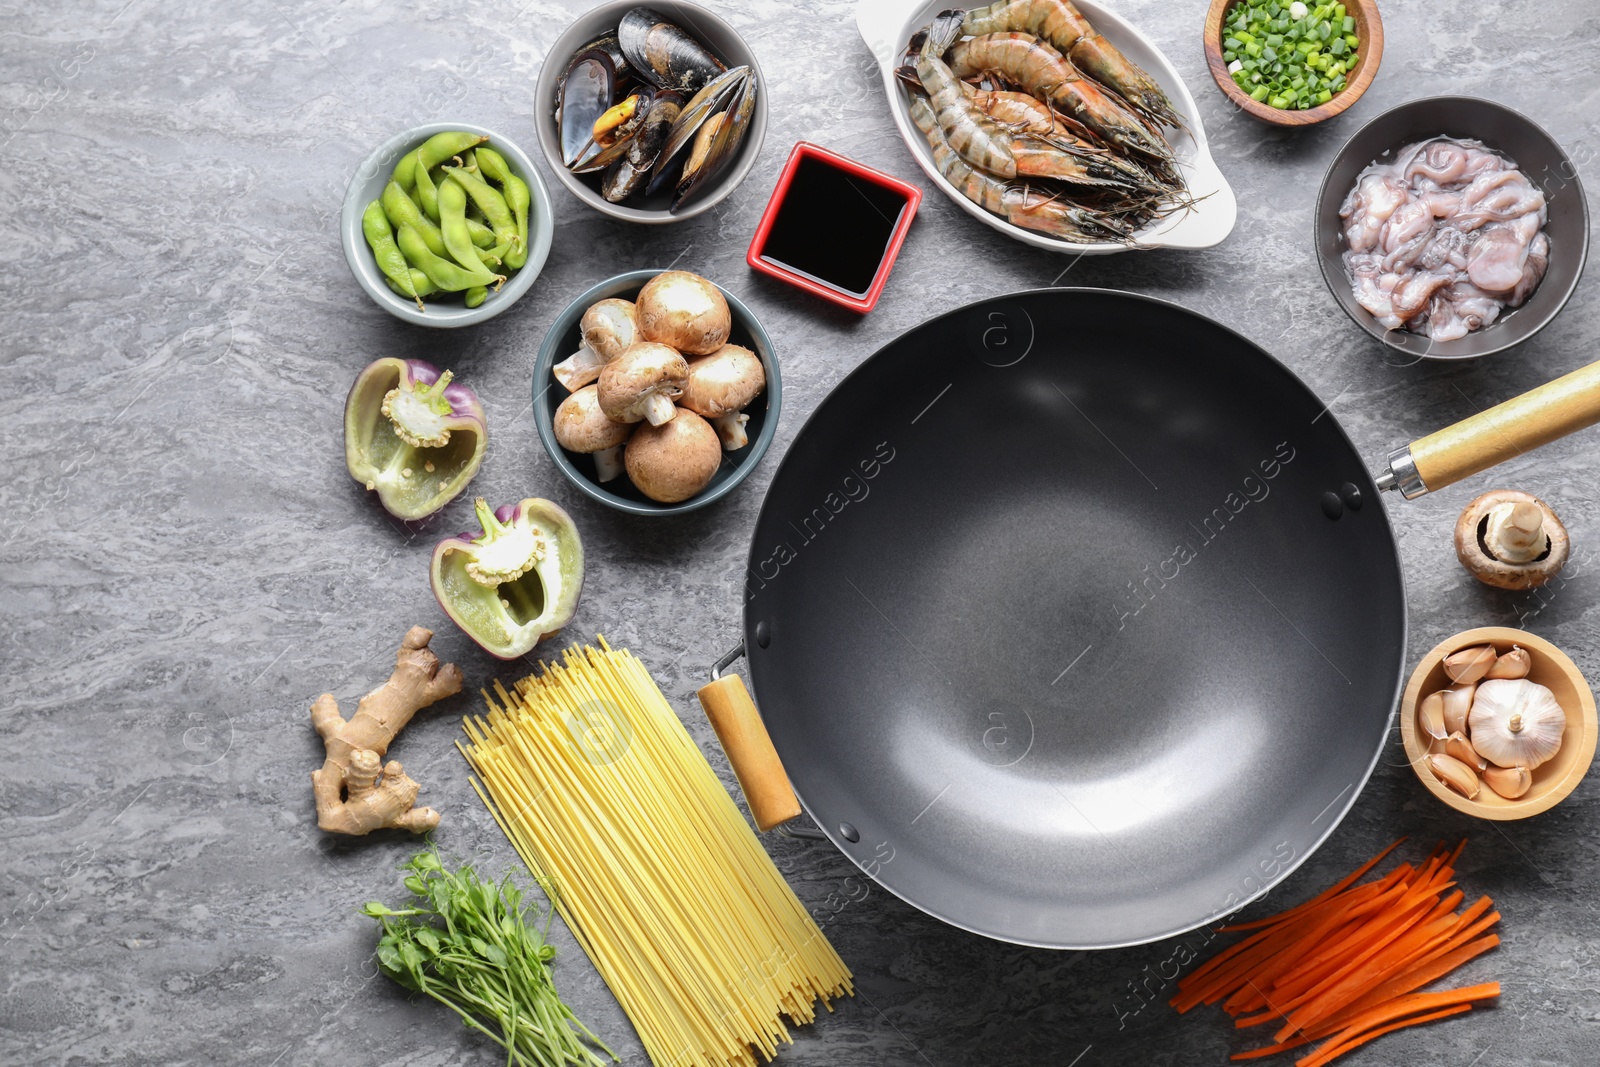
<point x="186" y="563"/>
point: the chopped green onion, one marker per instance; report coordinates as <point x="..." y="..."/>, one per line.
<point x="1293" y="53"/>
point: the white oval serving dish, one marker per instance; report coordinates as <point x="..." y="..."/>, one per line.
<point x="886" y="26"/>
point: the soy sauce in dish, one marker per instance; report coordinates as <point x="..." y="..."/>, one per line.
<point x="833" y="227"/>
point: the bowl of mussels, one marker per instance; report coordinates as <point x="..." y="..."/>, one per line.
<point x="650" y="114"/>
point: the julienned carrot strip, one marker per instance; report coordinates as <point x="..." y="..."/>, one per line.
<point x="1251" y="996"/>
<point x="1225" y="979"/>
<point x="1359" y="980"/>
<point x="1348" y="880"/>
<point x="1357" y="949"/>
<point x="1430" y="970"/>
<point x="1333" y="1050"/>
<point x="1413" y="1003"/>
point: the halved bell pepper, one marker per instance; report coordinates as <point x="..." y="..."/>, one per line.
<point x="516" y="581"/>
<point x="413" y="435"/>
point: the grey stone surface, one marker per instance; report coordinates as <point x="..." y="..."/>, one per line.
<point x="185" y="563"/>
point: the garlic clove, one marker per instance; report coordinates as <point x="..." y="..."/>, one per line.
<point x="1469" y="664"/>
<point x="1455" y="774"/>
<point x="1430" y="716"/>
<point x="1458" y="747"/>
<point x="1514" y="664"/>
<point x="1457" y="706"/>
<point x="1516" y="723"/>
<point x="1509" y="782"/>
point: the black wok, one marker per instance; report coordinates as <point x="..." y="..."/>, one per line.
<point x="1076" y="619"/>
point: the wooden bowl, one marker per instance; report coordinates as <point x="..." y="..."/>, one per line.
<point x="1369" y="27"/>
<point x="1553" y="780"/>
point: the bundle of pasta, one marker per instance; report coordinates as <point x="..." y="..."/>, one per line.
<point x="611" y="805"/>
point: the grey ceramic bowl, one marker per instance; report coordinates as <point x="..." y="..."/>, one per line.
<point x="723" y="41"/>
<point x="1511" y="134"/>
<point x="563" y="340"/>
<point x="443" y="310"/>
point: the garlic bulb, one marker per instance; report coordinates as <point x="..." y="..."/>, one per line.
<point x="1516" y="723"/>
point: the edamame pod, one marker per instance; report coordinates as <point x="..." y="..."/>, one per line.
<point x="441" y="272"/>
<point x="518" y="198"/>
<point x="476" y="295"/>
<point x="489" y="201"/>
<point x="426" y="192"/>
<point x="401" y="210"/>
<point x="481" y="235"/>
<point x="496" y="256"/>
<point x="419" y="282"/>
<point x="442" y="146"/>
<point x="390" y="260"/>
<point x="453" y="224"/>
<point x="402" y="175"/>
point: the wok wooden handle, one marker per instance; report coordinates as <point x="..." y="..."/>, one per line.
<point x="749" y="749"/>
<point x="1507" y="430"/>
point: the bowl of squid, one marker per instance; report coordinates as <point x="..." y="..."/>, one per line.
<point x="1451" y="228"/>
<point x="1100" y="147"/>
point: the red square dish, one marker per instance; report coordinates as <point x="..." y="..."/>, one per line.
<point x="833" y="227"/>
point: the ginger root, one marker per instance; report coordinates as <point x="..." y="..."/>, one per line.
<point x="356" y="791"/>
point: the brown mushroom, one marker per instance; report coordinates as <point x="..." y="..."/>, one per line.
<point x="607" y="327"/>
<point x="1511" y="540"/>
<point x="685" y="311"/>
<point x="582" y="427"/>
<point x="720" y="387"/>
<point x="673" y="461"/>
<point x="642" y="383"/>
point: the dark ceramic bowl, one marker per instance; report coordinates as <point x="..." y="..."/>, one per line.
<point x="563" y="340"/>
<point x="723" y="41"/>
<point x="1511" y="134"/>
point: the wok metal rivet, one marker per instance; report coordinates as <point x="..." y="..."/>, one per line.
<point x="1332" y="506"/>
<point x="848" y="832"/>
<point x="1352" y="495"/>
<point x="763" y="634"/>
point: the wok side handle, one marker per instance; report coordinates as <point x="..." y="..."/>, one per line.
<point x="749" y="749"/>
<point x="1497" y="434"/>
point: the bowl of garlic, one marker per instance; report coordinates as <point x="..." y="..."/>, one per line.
<point x="1498" y="723"/>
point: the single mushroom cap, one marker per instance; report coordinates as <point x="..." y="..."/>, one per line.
<point x="642" y="383"/>
<point x="1511" y="540"/>
<point x="582" y="427"/>
<point x="685" y="311"/>
<point x="674" y="461"/>
<point x="607" y="328"/>
<point x="721" y="386"/>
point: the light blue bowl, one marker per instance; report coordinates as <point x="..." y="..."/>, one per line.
<point x="563" y="340"/>
<point x="444" y="310"/>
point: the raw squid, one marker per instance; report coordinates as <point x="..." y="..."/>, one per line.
<point x="1443" y="238"/>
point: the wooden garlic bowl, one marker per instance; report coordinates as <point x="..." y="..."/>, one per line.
<point x="1552" y="780"/>
<point x="1369" y="27"/>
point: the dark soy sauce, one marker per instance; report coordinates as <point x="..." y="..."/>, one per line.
<point x="833" y="227"/>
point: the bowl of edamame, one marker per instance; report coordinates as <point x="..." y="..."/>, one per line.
<point x="454" y="242"/>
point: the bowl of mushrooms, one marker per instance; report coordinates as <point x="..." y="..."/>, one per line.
<point x="1498" y="723"/>
<point x="656" y="392"/>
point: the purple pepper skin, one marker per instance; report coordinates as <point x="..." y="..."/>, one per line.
<point x="515" y="582"/>
<point x="416" y="444"/>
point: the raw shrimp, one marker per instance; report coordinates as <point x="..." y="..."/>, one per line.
<point x="978" y="138"/>
<point x="1063" y="25"/>
<point x="1021" y="112"/>
<point x="1037" y="68"/>
<point x="1015" y="201"/>
<point x="1443" y="238"/>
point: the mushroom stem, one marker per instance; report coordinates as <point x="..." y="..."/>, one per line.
<point x="1515" y="533"/>
<point x="608" y="463"/>
<point x="659" y="409"/>
<point x="730" y="428"/>
<point x="579" y="369"/>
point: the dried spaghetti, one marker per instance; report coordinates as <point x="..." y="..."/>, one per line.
<point x="613" y="808"/>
